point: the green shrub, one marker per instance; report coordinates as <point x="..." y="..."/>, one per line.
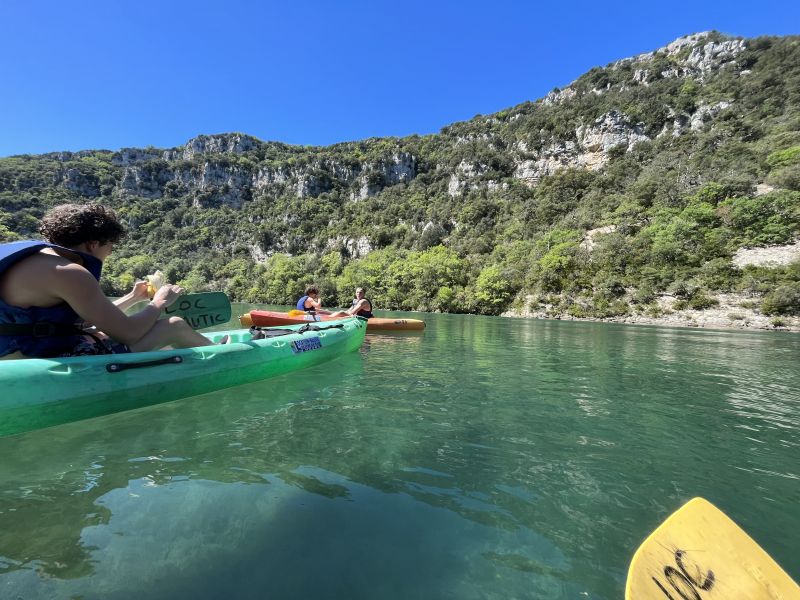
<point x="719" y="274"/>
<point x="614" y="308"/>
<point x="680" y="305"/>
<point x="784" y="300"/>
<point x="578" y="311"/>
<point x="608" y="286"/>
<point x="787" y="177"/>
<point x="684" y="289"/>
<point x="701" y="302"/>
<point x="644" y="295"/>
<point x="781" y="158"/>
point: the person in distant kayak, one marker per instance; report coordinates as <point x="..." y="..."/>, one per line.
<point x="361" y="306"/>
<point x="311" y="303"/>
<point x="51" y="303"/>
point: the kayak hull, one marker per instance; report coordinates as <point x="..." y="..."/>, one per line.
<point x="41" y="393"/>
<point x="268" y="318"/>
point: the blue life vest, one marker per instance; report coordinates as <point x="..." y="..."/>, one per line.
<point x="301" y="305"/>
<point x="367" y="314"/>
<point x="46" y="342"/>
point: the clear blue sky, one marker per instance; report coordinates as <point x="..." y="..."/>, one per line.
<point x="91" y="74"/>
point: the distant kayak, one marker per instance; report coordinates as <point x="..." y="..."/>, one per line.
<point x="268" y="318"/>
<point x="40" y="392"/>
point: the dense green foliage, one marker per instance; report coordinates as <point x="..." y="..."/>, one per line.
<point x="680" y="205"/>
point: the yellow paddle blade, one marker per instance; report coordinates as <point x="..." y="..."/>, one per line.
<point x="296" y="313"/>
<point x="699" y="553"/>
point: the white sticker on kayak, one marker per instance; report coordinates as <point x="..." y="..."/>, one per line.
<point x="306" y="344"/>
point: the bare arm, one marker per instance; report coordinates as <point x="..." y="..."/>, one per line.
<point x="136" y="295"/>
<point x="362" y="304"/>
<point x="316" y="304"/>
<point x="76" y="286"/>
<point x="356" y="307"/>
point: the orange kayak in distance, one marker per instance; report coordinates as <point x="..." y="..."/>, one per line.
<point x="268" y="318"/>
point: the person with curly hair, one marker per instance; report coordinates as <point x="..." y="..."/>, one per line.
<point x="311" y="303"/>
<point x="50" y="293"/>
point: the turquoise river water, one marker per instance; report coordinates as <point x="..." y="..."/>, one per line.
<point x="483" y="458"/>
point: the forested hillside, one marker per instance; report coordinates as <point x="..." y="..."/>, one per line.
<point x="640" y="179"/>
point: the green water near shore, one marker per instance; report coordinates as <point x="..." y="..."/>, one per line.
<point x="483" y="458"/>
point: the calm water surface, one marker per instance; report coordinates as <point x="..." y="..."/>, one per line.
<point x="484" y="458"/>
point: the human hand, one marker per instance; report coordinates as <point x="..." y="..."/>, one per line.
<point x="139" y="291"/>
<point x="166" y="295"/>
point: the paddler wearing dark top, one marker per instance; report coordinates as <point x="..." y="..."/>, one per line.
<point x="50" y="292"/>
<point x="361" y="306"/>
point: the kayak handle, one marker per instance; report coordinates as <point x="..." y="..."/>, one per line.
<point x="117" y="367"/>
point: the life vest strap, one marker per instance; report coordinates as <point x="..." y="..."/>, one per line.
<point x="40" y="330"/>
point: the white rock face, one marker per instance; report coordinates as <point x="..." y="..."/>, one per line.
<point x="132" y="156"/>
<point x="690" y="40"/>
<point x="770" y="256"/>
<point x="609" y="131"/>
<point x="145" y="182"/>
<point x="763" y="188"/>
<point x="682" y="122"/>
<point x="455" y="185"/>
<point x="229" y="143"/>
<point x="702" y="59"/>
<point x="316" y="178"/>
<point x="74" y="180"/>
<point x="595" y="140"/>
<point x="641" y="76"/>
<point x="257" y="254"/>
<point x="560" y="96"/>
<point x="358" y="247"/>
<point x="589" y="242"/>
<point x="705" y="113"/>
<point x="459" y="181"/>
<point x="401" y="169"/>
<point x="710" y="56"/>
<point x="558" y="155"/>
<point x="266" y="177"/>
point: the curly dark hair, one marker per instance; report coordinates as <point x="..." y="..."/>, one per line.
<point x="72" y="224"/>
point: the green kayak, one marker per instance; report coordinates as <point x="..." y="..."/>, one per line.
<point x="39" y="393"/>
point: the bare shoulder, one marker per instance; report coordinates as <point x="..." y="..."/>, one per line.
<point x="42" y="280"/>
<point x="52" y="265"/>
<point x="69" y="272"/>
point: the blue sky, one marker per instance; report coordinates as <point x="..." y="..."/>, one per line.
<point x="95" y="74"/>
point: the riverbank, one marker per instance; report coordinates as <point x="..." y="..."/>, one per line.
<point x="734" y="311"/>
